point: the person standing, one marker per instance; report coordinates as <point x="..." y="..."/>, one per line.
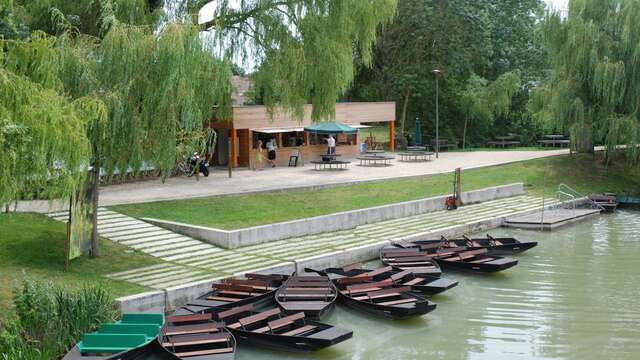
<point x="331" y="145"/>
<point x="258" y="164"/>
<point x="271" y="151"/>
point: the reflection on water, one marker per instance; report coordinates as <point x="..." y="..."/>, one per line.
<point x="575" y="296"/>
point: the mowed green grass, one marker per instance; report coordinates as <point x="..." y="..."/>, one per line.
<point x="34" y="245"/>
<point x="540" y="176"/>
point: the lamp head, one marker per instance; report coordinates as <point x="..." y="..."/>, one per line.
<point x="436" y="72"/>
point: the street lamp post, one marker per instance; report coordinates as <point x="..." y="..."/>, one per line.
<point x="437" y="73"/>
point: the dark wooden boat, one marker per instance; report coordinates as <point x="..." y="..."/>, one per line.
<point x="197" y="337"/>
<point x="380" y="297"/>
<point x="418" y="262"/>
<point x="626" y="201"/>
<point x="424" y="284"/>
<point x="313" y="295"/>
<point x="494" y="246"/>
<point x="150" y="351"/>
<point x="272" y="328"/>
<point x="459" y="258"/>
<point x="607" y="201"/>
<point x="257" y="289"/>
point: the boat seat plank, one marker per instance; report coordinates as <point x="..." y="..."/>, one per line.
<point x="296" y="290"/>
<point x="237" y="293"/>
<point x="258" y="317"/>
<point x="383" y="283"/>
<point x="192" y="329"/>
<point x="235" y="311"/>
<point x="398" y="302"/>
<point x="205" y="352"/>
<point x="223" y="298"/>
<point x="299" y="331"/>
<point x="282" y="322"/>
<point x="414" y="281"/>
<point x="354" y="280"/>
<point x="196" y="339"/>
<point x="400" y="275"/>
<point x="177" y="319"/>
<point x="392" y="290"/>
<point x="367" y="297"/>
<point x="377" y="271"/>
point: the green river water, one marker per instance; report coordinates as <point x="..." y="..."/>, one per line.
<point x="575" y="296"/>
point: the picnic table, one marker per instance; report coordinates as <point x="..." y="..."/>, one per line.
<point x="553" y="140"/>
<point x="375" y="158"/>
<point x="416" y="156"/>
<point x="416" y="148"/>
<point x="443" y="144"/>
<point x="504" y="141"/>
<point x="330" y="162"/>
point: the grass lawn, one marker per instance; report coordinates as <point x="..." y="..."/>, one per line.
<point x="542" y="175"/>
<point x="33" y="244"/>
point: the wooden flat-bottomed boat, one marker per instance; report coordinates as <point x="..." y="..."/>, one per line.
<point x="494" y="246"/>
<point x="402" y="259"/>
<point x="313" y="295"/>
<point x="381" y="298"/>
<point x="274" y="329"/>
<point x="257" y="289"/>
<point x="627" y="201"/>
<point x="424" y="284"/>
<point x="607" y="201"/>
<point x="197" y="337"/>
<point x="461" y="258"/>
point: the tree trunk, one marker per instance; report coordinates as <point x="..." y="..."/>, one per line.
<point x="405" y="105"/>
<point x="95" y="183"/>
<point x="464" y="132"/>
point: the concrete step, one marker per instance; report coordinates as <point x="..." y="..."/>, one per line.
<point x="182" y="250"/>
<point x="183" y="276"/>
<point x="140" y="270"/>
<point x="142" y="275"/>
<point x="147" y="278"/>
<point x="168" y="245"/>
<point x="144" y="235"/>
<point x="114" y="220"/>
<point x="157" y="241"/>
<point x="119" y="225"/>
<point x="136" y="229"/>
<point x="211" y="251"/>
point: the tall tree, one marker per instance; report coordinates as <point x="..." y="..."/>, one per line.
<point x="142" y="80"/>
<point x="593" y="88"/>
<point x="486" y="38"/>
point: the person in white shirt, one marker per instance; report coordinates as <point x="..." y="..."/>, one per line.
<point x="331" y="145"/>
<point x="271" y="152"/>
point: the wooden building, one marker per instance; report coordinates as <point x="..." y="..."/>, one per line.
<point x="252" y="123"/>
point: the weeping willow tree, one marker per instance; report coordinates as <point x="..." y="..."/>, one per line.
<point x="140" y="79"/>
<point x="593" y="90"/>
<point x="483" y="101"/>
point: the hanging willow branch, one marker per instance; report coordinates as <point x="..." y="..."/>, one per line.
<point x="593" y="90"/>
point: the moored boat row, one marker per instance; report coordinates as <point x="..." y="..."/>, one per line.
<point x="282" y="311"/>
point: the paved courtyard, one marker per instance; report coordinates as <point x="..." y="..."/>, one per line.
<point x="246" y="181"/>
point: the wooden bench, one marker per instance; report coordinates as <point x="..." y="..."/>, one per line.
<point x="390" y="292"/>
<point x="415" y="281"/>
<point x="235" y="311"/>
<point x="377" y="271"/>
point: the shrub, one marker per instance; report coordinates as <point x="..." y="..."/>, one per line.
<point x="49" y="319"/>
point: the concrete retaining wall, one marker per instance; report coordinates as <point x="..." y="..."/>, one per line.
<point x="231" y="239"/>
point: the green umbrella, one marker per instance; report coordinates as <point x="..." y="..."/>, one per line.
<point x="330" y="127"/>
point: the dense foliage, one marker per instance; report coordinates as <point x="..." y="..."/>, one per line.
<point x="49" y="320"/>
<point x="593" y="88"/>
<point x="473" y="43"/>
<point x="135" y="82"/>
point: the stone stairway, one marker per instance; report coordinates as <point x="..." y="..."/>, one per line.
<point x="188" y="259"/>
